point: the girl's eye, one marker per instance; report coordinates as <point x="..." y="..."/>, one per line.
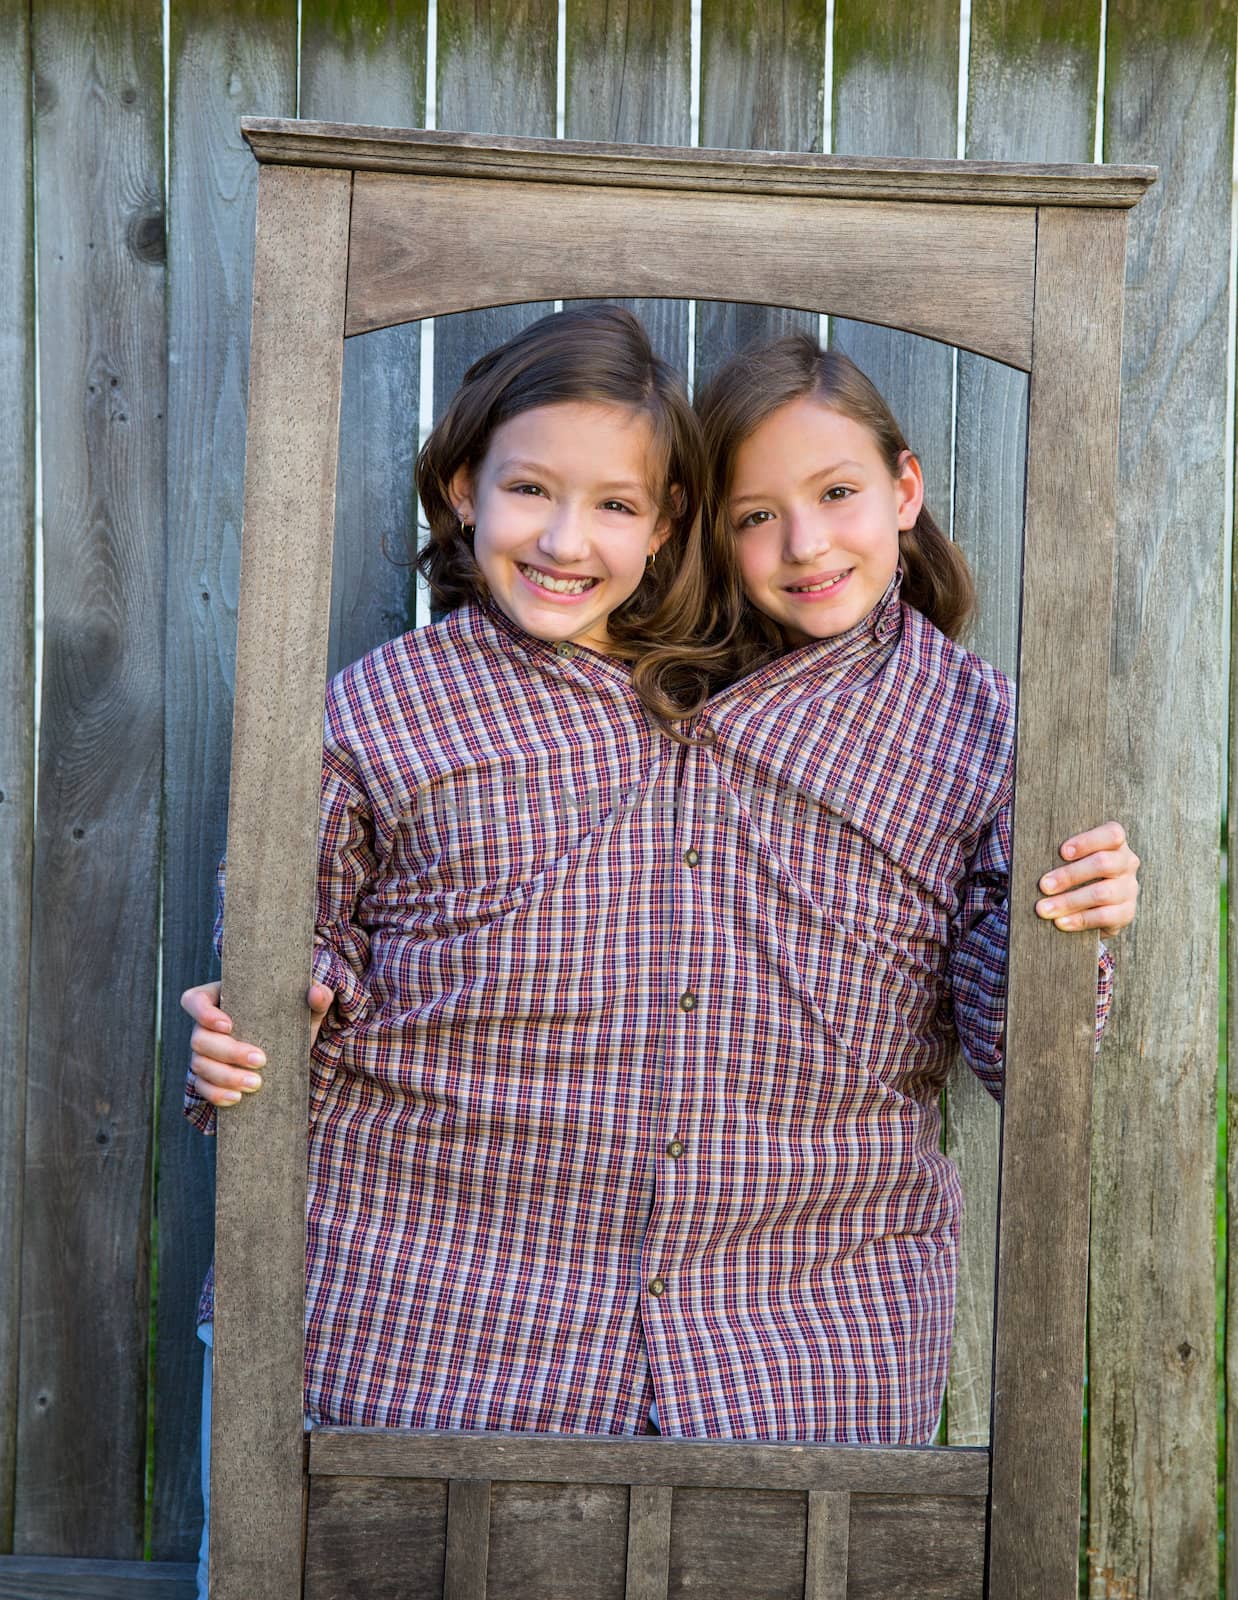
<point x="754" y="519"/>
<point x="617" y="505"/>
<point x="527" y="488"/>
<point x="838" y="491"/>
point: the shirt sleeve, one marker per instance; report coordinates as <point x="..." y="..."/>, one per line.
<point x="979" y="937"/>
<point x="346" y="864"/>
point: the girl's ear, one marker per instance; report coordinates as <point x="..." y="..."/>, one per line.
<point x="460" y="493"/>
<point x="909" y="490"/>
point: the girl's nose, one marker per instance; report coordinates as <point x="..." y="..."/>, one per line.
<point x="805" y="537"/>
<point x="564" y="537"/>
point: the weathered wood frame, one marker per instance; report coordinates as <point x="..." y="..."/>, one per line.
<point x="361" y="228"/>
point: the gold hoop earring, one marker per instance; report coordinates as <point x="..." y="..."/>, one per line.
<point x="467" y="528"/>
<point x="650" y="559"/>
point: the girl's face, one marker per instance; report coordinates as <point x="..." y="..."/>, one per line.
<point x="817" y="516"/>
<point x="565" y="516"/>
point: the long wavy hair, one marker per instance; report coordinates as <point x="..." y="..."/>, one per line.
<point x="751" y="387"/>
<point x="678" y="627"/>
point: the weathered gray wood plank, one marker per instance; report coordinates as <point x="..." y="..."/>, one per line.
<point x="629" y="79"/>
<point x="896" y="93"/>
<point x="496" y="72"/>
<point x="1059" y="777"/>
<point x="370" y="65"/>
<point x="649" y="1542"/>
<point x="733" y="1544"/>
<point x="52" y="1578"/>
<point x="919" y="1549"/>
<point x="16" y="696"/>
<point x="85" y="1255"/>
<point x="955" y="271"/>
<point x="557" y="1541"/>
<point x="468" y="1539"/>
<point x="565" y="1458"/>
<point x="1152" y="1398"/>
<point x="381" y="1538"/>
<point x="469" y="155"/>
<point x="761" y="89"/>
<point x="1031" y="96"/>
<point x="296" y="352"/>
<point x="223" y="61"/>
<point x="826" y="1545"/>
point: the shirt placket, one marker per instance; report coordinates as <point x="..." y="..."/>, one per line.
<point x="666" y="1293"/>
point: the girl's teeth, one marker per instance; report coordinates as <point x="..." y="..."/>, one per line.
<point x="817" y="588"/>
<point x="557" y="585"/>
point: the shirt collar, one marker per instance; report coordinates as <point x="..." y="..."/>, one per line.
<point x="872" y="638"/>
<point x="563" y="659"/>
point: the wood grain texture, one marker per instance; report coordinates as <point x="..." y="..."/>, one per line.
<point x="558" y="1541"/>
<point x="1059" y="786"/>
<point x="564" y="1458"/>
<point x="826" y="1543"/>
<point x="761" y="88"/>
<point x="649" y="1542"/>
<point x="734" y="1544"/>
<point x="1031" y="97"/>
<point x="1152" y="1397"/>
<point x="85" y="1245"/>
<point x="919" y="1549"/>
<point x="496" y="72"/>
<point x="468" y="1539"/>
<point x="296" y="349"/>
<point x="739" y="171"/>
<point x="629" y="79"/>
<point x="16" y="696"/>
<point x="958" y="272"/>
<point x="370" y="65"/>
<point x="52" y="1578"/>
<point x="381" y="1539"/>
<point x="896" y="93"/>
<point x="223" y="61"/>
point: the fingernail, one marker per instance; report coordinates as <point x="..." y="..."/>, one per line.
<point x="1048" y="883"/>
<point x="256" y="1058"/>
<point x="1068" y="923"/>
<point x="1068" y="850"/>
<point x="1045" y="908"/>
<point x="222" y="1025"/>
<point x="230" y="1099"/>
<point x="251" y="1080"/>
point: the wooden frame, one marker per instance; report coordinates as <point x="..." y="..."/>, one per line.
<point x="360" y="228"/>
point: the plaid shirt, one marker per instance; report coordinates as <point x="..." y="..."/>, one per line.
<point x="630" y="1086"/>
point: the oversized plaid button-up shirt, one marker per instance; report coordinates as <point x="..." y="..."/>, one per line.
<point x="630" y="1087"/>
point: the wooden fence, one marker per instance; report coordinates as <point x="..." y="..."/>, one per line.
<point x="140" y="365"/>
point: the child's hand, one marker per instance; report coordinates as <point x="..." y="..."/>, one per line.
<point x="223" y="1067"/>
<point x="1098" y="887"/>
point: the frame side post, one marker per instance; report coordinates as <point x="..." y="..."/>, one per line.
<point x="1059" y="788"/>
<point x="257" y="1445"/>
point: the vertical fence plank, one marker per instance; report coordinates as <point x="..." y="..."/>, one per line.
<point x="1031" y="97"/>
<point x="81" y="1435"/>
<point x="762" y="88"/>
<point x="370" y="66"/>
<point x="496" y="74"/>
<point x="628" y="79"/>
<point x="16" y="695"/>
<point x="896" y="93"/>
<point x="225" y="63"/>
<point x="1152" y="1488"/>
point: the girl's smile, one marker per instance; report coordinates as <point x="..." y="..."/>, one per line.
<point x="817" y="517"/>
<point x="565" y="516"/>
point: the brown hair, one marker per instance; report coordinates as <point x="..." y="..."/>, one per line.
<point x="751" y="387"/>
<point x="677" y="626"/>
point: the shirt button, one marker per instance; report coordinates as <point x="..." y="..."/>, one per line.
<point x="657" y="1287"/>
<point x="675" y="1149"/>
<point x="687" y="1001"/>
<point x="564" y="649"/>
<point x="692" y="857"/>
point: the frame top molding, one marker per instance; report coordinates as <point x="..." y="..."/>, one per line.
<point x="428" y="153"/>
